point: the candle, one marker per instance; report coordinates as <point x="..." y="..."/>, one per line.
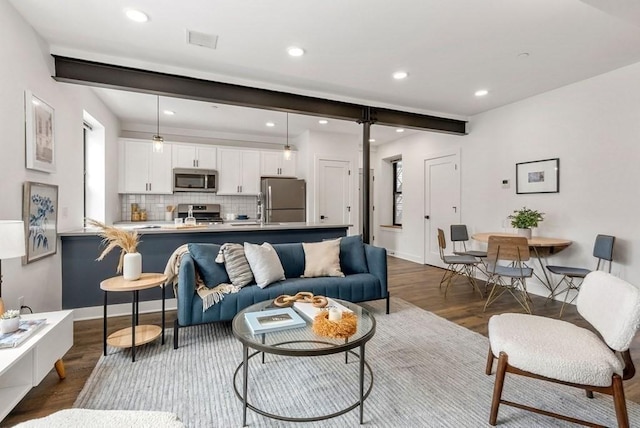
<point x="335" y="314"/>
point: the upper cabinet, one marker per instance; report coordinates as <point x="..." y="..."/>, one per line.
<point x="239" y="172"/>
<point x="273" y="164"/>
<point x="142" y="170"/>
<point x="194" y="156"/>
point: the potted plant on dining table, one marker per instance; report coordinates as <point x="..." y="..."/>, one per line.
<point x="524" y="219"/>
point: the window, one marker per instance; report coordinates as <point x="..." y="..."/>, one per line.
<point x="397" y="192"/>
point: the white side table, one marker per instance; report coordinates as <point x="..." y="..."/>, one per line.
<point x="23" y="367"/>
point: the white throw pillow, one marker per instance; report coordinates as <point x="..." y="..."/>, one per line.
<point x="322" y="258"/>
<point x="265" y="263"/>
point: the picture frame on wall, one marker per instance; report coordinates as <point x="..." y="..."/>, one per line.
<point x="39" y="134"/>
<point x="40" y="215"/>
<point x="541" y="176"/>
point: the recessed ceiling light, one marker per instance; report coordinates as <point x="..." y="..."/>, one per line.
<point x="372" y="140"/>
<point x="399" y="75"/>
<point x="481" y="93"/>
<point x="400" y="130"/>
<point x="136" y="15"/>
<point x="295" y="51"/>
<point x="169" y="112"/>
<point x="270" y="124"/>
<point x="323" y="121"/>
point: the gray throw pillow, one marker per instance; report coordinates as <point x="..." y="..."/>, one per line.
<point x="236" y="264"/>
<point x="265" y="263"/>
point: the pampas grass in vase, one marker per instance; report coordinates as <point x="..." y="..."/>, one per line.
<point x="130" y="260"/>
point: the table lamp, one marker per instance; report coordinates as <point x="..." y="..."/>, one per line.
<point x="11" y="245"/>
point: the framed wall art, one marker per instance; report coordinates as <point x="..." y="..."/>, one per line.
<point x="40" y="214"/>
<point x="542" y="176"/>
<point x="39" y="134"/>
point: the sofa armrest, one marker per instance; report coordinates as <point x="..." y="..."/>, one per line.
<point x="186" y="289"/>
<point x="377" y="262"/>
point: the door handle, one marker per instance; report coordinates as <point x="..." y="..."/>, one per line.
<point x="455" y="209"/>
<point x="322" y="217"/>
<point x="426" y="217"/>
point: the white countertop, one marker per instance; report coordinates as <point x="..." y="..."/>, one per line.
<point x="161" y="227"/>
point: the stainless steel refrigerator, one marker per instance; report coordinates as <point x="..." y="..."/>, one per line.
<point x="284" y="199"/>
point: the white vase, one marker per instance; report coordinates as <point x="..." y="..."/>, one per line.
<point x="525" y="232"/>
<point x="9" y="325"/>
<point x="132" y="266"/>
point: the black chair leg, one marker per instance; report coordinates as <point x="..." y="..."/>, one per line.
<point x="176" y="328"/>
<point x="388" y="302"/>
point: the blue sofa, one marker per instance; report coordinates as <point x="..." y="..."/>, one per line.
<point x="364" y="266"/>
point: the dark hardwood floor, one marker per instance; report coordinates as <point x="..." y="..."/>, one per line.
<point x="412" y="282"/>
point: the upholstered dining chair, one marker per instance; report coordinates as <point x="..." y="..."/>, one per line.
<point x="457" y="265"/>
<point x="572" y="276"/>
<point x="557" y="351"/>
<point x="512" y="274"/>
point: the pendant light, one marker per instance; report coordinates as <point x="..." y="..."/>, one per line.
<point x="287" y="147"/>
<point x="158" y="141"/>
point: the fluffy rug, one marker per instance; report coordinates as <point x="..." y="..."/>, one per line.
<point x="428" y="372"/>
<point x="82" y="418"/>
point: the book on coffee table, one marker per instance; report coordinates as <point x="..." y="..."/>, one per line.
<point x="273" y="320"/>
<point x="24" y="331"/>
<point x="309" y="311"/>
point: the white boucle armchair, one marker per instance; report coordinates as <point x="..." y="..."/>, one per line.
<point x="558" y="351"/>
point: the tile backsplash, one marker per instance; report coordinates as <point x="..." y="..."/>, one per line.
<point x="156" y="205"/>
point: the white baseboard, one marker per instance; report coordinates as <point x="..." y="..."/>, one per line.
<point x="120" y="309"/>
<point x="404" y="256"/>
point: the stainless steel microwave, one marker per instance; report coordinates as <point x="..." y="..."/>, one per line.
<point x="195" y="180"/>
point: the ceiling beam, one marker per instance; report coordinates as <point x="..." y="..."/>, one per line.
<point x="72" y="70"/>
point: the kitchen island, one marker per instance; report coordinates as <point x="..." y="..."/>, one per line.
<point x="81" y="273"/>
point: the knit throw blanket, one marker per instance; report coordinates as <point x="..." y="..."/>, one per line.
<point x="209" y="296"/>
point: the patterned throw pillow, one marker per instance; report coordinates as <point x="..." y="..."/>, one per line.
<point x="322" y="258"/>
<point x="236" y="264"/>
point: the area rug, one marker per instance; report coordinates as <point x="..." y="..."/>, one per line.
<point x="428" y="372"/>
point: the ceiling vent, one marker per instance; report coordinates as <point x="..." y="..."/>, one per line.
<point x="202" y="39"/>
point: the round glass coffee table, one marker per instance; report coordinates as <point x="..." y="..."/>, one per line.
<point x="302" y="342"/>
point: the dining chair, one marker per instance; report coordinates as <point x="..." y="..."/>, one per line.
<point x="457" y="265"/>
<point x="572" y="276"/>
<point x="512" y="276"/>
<point x="557" y="351"/>
<point x="460" y="234"/>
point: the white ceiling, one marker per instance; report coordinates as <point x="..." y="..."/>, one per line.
<point x="450" y="48"/>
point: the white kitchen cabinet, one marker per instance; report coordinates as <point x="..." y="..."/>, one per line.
<point x="197" y="156"/>
<point x="273" y="164"/>
<point x="142" y="170"/>
<point x="238" y="172"/>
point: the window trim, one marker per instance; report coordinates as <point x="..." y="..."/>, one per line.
<point x="394" y="192"/>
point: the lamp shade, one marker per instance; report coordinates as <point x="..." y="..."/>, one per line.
<point x="11" y="239"/>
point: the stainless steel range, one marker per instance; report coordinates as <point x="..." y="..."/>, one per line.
<point x="203" y="213"/>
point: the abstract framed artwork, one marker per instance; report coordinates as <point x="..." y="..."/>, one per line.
<point x="541" y="176"/>
<point x="39" y="134"/>
<point x="40" y="214"/>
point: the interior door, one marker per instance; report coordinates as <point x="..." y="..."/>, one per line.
<point x="333" y="192"/>
<point x="442" y="202"/>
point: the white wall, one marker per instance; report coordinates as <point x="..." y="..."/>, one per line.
<point x="28" y="65"/>
<point x="312" y="146"/>
<point x="593" y="126"/>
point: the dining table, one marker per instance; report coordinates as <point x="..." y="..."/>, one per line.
<point x="542" y="247"/>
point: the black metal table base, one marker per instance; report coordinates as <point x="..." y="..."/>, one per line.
<point x="244" y="366"/>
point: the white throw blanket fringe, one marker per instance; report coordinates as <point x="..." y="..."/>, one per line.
<point x="209" y="296"/>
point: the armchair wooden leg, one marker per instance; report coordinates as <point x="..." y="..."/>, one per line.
<point x="490" y="358"/>
<point x="619" y="402"/>
<point x="497" y="388"/>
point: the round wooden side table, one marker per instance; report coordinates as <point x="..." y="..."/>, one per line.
<point x="136" y="334"/>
